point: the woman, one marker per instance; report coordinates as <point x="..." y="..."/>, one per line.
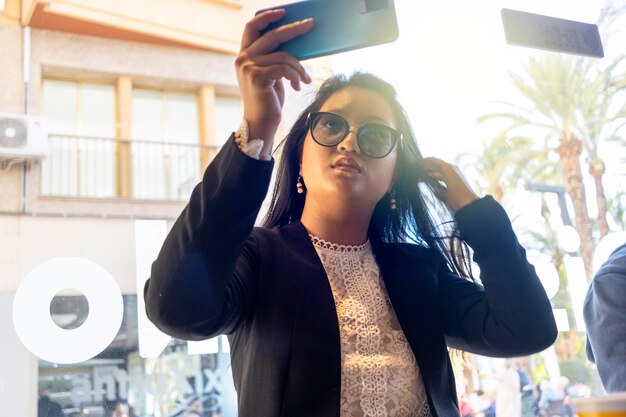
<point x="327" y="310"/>
<point x="508" y="393"/>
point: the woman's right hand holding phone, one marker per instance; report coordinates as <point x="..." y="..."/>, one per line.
<point x="260" y="71"/>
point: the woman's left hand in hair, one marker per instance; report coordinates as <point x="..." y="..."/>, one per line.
<point x="457" y="192"/>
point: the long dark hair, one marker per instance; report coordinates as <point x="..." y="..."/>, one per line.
<point x="414" y="190"/>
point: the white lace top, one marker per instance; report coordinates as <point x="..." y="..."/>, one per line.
<point x="379" y="374"/>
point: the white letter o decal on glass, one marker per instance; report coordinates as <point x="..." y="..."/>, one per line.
<point x="31" y="310"/>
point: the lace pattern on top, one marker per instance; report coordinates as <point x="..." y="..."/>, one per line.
<point x="336" y="247"/>
<point x="251" y="147"/>
<point x="379" y="374"/>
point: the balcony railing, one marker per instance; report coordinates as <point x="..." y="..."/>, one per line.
<point x="112" y="168"/>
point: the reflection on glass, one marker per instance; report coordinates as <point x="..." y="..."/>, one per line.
<point x="119" y="383"/>
<point x="69" y="309"/>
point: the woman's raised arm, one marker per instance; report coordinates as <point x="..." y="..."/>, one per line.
<point x="203" y="280"/>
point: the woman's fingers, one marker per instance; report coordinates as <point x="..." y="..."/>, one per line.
<point x="435" y="167"/>
<point x="283" y="58"/>
<point x="272" y="39"/>
<point x="281" y="65"/>
<point x="441" y="170"/>
<point x="266" y="75"/>
<point x="253" y="28"/>
<point x="285" y="71"/>
<point x="457" y="192"/>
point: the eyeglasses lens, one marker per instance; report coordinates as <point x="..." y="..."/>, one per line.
<point x="375" y="141"/>
<point x="329" y="129"/>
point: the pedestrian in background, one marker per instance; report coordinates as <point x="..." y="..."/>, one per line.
<point x="605" y="317"/>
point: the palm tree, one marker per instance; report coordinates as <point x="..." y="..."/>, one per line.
<point x="500" y="164"/>
<point x="578" y="106"/>
<point x="547" y="241"/>
<point x="617" y="209"/>
<point x="603" y="119"/>
<point x="551" y="87"/>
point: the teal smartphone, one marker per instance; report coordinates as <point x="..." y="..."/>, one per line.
<point x="339" y="26"/>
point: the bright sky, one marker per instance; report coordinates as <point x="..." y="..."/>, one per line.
<point x="451" y="61"/>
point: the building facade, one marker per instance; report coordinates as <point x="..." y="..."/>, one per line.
<point x="136" y="98"/>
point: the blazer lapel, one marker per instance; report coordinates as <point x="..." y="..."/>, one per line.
<point x="315" y="362"/>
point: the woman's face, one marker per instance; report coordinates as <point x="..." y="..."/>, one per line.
<point x="343" y="172"/>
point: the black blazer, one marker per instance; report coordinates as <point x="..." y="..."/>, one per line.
<point x="268" y="291"/>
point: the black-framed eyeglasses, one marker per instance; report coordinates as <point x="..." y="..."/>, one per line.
<point x="374" y="140"/>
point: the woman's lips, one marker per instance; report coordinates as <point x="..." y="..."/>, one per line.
<point x="347" y="164"/>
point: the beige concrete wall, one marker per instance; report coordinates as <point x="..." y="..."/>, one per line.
<point x="11" y="11"/>
<point x="27" y="242"/>
<point x="11" y="188"/>
<point x="18" y="367"/>
<point x="153" y="66"/>
<point x="12" y="90"/>
<point x="208" y="23"/>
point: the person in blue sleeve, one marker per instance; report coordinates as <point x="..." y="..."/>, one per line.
<point x="604" y="312"/>
<point x="345" y="301"/>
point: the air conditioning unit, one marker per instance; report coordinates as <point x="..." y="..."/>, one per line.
<point x="23" y="137"/>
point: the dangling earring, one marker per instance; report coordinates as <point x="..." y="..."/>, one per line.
<point x="299" y="186"/>
<point x="392" y="201"/>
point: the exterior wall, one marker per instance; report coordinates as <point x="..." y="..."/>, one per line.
<point x="11" y="189"/>
<point x="99" y="59"/>
<point x="18" y="368"/>
<point x="87" y="58"/>
<point x="11" y="11"/>
<point x="12" y="91"/>
<point x="210" y="24"/>
<point x="29" y="241"/>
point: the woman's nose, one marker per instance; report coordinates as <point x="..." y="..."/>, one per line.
<point x="350" y="144"/>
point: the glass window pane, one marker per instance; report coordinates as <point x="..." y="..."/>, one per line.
<point x="180" y="380"/>
<point x="165" y="144"/>
<point x="59" y="172"/>
<point x="79" y="165"/>
<point x="182" y="155"/>
<point x="97" y="143"/>
<point x="97" y="110"/>
<point x="228" y="116"/>
<point x="182" y="118"/>
<point x="148" y="156"/>
<point x="60" y="106"/>
<point x="148" y="115"/>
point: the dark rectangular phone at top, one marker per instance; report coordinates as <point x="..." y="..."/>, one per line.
<point x="338" y="26"/>
<point x="551" y="33"/>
